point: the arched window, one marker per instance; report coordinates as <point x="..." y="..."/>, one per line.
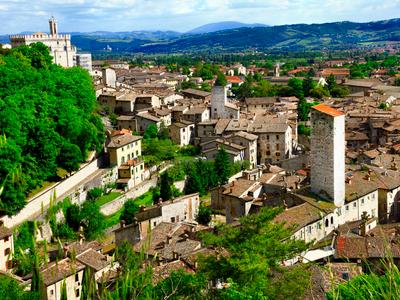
<point x="326" y="222"/>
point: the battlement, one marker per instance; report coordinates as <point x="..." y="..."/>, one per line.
<point x="41" y="36"/>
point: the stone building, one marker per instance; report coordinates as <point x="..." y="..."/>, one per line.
<point x="60" y="46"/>
<point x="124" y="147"/>
<point x="6" y="248"/>
<point x="84" y="60"/>
<point x="328" y="153"/>
<point x="182" y="133"/>
<point x="183" y="209"/>
<point x="220" y="107"/>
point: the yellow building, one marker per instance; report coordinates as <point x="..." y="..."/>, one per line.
<point x="124" y="147"/>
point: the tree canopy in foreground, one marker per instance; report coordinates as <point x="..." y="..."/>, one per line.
<point x="47" y="121"/>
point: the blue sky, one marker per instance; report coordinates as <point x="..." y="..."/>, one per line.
<point x="183" y="15"/>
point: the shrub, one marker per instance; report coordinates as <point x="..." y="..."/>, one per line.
<point x="94" y="193"/>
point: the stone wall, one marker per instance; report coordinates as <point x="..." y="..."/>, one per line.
<point x="63" y="188"/>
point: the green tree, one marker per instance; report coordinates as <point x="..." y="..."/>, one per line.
<point x="70" y="157"/>
<point x="165" y="186"/>
<point x="94" y="194"/>
<point x="92" y="219"/>
<point x="297" y="85"/>
<point x="397" y="81"/>
<point x="194" y="183"/>
<point x="319" y="92"/>
<point x="222" y="166"/>
<point x="151" y="132"/>
<point x="331" y="82"/>
<point x="64" y="294"/>
<point x="308" y="85"/>
<point x="10" y="289"/>
<point x="164" y="133"/>
<point x="253" y="266"/>
<point x="129" y="211"/>
<point x="203" y="216"/>
<point x="73" y="217"/>
<point x="221" y="79"/>
<point x="48" y="114"/>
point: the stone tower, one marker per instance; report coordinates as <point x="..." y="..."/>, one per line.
<point x="218" y="100"/>
<point x="328" y="153"/>
<point x="53" y="26"/>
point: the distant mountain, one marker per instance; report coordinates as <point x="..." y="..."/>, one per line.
<point x="298" y="37"/>
<point x="4" y="39"/>
<point x="213" y="27"/>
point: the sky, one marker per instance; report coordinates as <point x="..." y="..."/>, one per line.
<point x="182" y="15"/>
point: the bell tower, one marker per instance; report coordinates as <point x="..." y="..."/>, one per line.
<point x="53" y="26"/>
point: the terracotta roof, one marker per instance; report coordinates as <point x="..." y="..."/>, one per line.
<point x="93" y="259"/>
<point x="240" y="187"/>
<point x="299" y="216"/>
<point x="4" y="232"/>
<point x="234" y="79"/>
<point x="122" y="140"/>
<point x="196" y="92"/>
<point x="60" y="270"/>
<point x="335" y="71"/>
<point x="261" y="100"/>
<point x="328" y="110"/>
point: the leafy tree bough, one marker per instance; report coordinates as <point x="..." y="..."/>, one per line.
<point x="47" y="117"/>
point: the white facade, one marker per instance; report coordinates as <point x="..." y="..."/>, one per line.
<point x="328" y="154"/>
<point x="109" y="77"/>
<point x="84" y="60"/>
<point x="59" y="44"/>
<point x="6" y="252"/>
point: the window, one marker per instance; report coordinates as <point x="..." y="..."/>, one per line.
<point x="137" y="152"/>
<point x="7" y="251"/>
<point x="326" y="223"/>
<point x="172" y="219"/>
<point x="347" y="207"/>
<point x="77" y="292"/>
<point x="277" y="154"/>
<point x="154" y="224"/>
<point x="9" y="264"/>
<point x="76" y="277"/>
<point x="268" y="153"/>
<point x="309" y="229"/>
<point x="362" y="201"/>
<point x="177" y="218"/>
<point x="277" y="137"/>
<point x="339" y="211"/>
<point x="267" y="137"/>
<point x="331" y="220"/>
<point x="277" y="146"/>
<point x="345" y="276"/>
<point x="355" y="204"/>
<point x="318" y="225"/>
<point x="6" y="239"/>
<point x="51" y="292"/>
<point x="129" y="156"/>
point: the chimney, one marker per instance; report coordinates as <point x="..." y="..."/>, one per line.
<point x="169" y="237"/>
<point x="65" y="251"/>
<point x="363" y="225"/>
<point x="122" y="223"/>
<point x="81" y="238"/>
<point x="368" y="177"/>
